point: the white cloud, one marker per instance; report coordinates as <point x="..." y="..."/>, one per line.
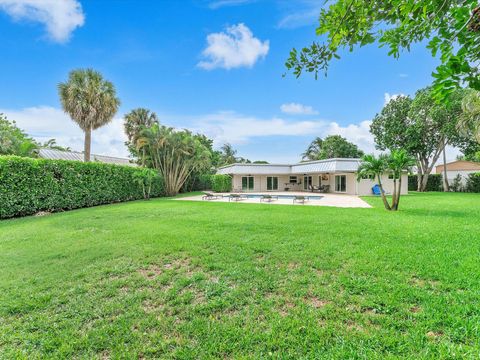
<point x="388" y="97"/>
<point x="223" y="3"/>
<point x="236" y="47"/>
<point x="45" y="122"/>
<point x="300" y="13"/>
<point x="60" y="17"/>
<point x="359" y="134"/>
<point x="297" y="109"/>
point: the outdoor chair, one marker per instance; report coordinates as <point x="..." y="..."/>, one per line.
<point x="210" y="196"/>
<point x="236" y="197"/>
<point x="314" y="188"/>
<point x="300" y="199"/>
<point x="325" y="188"/>
<point x="268" y="198"/>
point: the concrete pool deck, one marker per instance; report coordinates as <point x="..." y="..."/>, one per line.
<point x="336" y="200"/>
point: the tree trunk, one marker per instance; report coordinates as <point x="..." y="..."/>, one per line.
<point x="394" y="194"/>
<point x="87" y="145"/>
<point x="419" y="176"/>
<point x="446" y="186"/>
<point x="384" y="198"/>
<point x="397" y="201"/>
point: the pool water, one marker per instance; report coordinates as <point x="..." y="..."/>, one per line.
<point x="288" y="197"/>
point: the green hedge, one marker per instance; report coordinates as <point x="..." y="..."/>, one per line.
<point x="28" y="186"/>
<point x="434" y="182"/>
<point x="473" y="183"/>
<point x="221" y="183"/>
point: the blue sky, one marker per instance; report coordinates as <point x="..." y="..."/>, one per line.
<point x="213" y="66"/>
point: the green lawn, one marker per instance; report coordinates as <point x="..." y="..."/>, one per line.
<point x="180" y="279"/>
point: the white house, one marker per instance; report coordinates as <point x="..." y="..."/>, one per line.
<point x="332" y="175"/>
<point x="459" y="167"/>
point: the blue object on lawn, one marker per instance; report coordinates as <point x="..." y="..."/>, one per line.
<point x="376" y="190"/>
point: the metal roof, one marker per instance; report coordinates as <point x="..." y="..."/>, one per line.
<point x="53" y="154"/>
<point x="319" y="166"/>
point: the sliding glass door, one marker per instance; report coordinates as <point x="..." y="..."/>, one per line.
<point x="340" y="183"/>
<point x="247" y="183"/>
<point x="272" y="183"/>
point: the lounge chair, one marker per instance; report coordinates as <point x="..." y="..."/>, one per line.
<point x="237" y="197"/>
<point x="268" y="198"/>
<point x="314" y="188"/>
<point x="210" y="196"/>
<point x="300" y="199"/>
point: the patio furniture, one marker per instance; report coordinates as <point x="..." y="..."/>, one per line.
<point x="314" y="188"/>
<point x="325" y="188"/>
<point x="237" y="197"/>
<point x="210" y="196"/>
<point x="300" y="199"/>
<point x="268" y="198"/>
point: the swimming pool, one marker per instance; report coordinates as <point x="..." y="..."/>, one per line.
<point x="281" y="196"/>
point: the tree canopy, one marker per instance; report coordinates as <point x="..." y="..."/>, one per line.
<point x="451" y="29"/>
<point x="333" y="146"/>
<point x="421" y="126"/>
<point x="14" y="141"/>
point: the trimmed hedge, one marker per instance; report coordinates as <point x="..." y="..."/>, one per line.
<point x="434" y="182"/>
<point x="221" y="183"/>
<point x="28" y="186"/>
<point x="473" y="183"/>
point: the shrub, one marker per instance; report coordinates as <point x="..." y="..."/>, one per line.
<point x="221" y="183"/>
<point x="434" y="182"/>
<point x="473" y="183"/>
<point x="28" y="186"/>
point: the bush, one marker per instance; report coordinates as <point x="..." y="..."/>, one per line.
<point x="221" y="183"/>
<point x="28" y="186"/>
<point x="473" y="183"/>
<point x="434" y="182"/>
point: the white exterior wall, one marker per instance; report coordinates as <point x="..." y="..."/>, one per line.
<point x="464" y="174"/>
<point x="362" y="188"/>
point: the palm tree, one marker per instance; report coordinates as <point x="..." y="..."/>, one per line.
<point x="175" y="155"/>
<point x="90" y="101"/>
<point x="228" y="154"/>
<point x="398" y="162"/>
<point x="313" y="150"/>
<point x="372" y="166"/>
<point x="135" y="121"/>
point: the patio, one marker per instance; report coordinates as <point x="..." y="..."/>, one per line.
<point x="335" y="200"/>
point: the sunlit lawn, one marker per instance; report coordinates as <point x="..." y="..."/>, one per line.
<point x="180" y="279"/>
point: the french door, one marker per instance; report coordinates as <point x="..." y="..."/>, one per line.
<point x="307" y="182"/>
<point x="272" y="183"/>
<point x="247" y="183"/>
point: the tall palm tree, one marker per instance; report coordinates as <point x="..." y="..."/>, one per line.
<point x="398" y="162"/>
<point x="372" y="166"/>
<point x="134" y="122"/>
<point x="228" y="154"/>
<point x="90" y="100"/>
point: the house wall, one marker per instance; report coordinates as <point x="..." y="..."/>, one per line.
<point x="363" y="187"/>
<point x="451" y="175"/>
<point x="459" y="166"/>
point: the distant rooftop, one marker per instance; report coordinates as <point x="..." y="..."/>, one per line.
<point x="78" y="156"/>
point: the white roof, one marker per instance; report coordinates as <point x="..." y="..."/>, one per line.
<point x="337" y="165"/>
<point x="53" y="154"/>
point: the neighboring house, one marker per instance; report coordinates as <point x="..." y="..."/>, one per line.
<point x="459" y="167"/>
<point x="78" y="156"/>
<point x="338" y="175"/>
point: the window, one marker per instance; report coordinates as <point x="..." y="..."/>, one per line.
<point x="307" y="182"/>
<point x="293" y="180"/>
<point x="371" y="177"/>
<point x="272" y="183"/>
<point x="247" y="182"/>
<point x="340" y="183"/>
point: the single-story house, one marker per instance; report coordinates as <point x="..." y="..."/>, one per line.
<point x="53" y="154"/>
<point x="335" y="175"/>
<point x="459" y="167"/>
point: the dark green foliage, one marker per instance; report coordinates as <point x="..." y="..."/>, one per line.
<point x="221" y="183"/>
<point x="473" y="183"/>
<point x="14" y="141"/>
<point x="434" y="182"/>
<point x="28" y="186"/>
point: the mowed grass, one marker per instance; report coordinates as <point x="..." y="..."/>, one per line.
<point x="180" y="279"/>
